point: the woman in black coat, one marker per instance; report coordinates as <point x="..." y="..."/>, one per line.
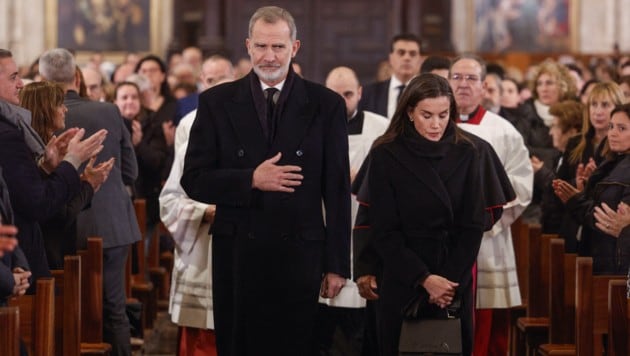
<point x="426" y="209"/>
<point x="608" y="186"/>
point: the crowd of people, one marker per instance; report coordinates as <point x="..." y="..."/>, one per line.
<point x="305" y="217"/>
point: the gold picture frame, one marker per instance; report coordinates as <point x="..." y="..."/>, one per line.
<point x="152" y="10"/>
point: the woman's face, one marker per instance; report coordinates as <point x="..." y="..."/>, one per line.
<point x="430" y="117"/>
<point x="560" y="139"/>
<point x="59" y="121"/>
<point x="151" y="69"/>
<point x="548" y="89"/>
<point x="510" y="97"/>
<point x="128" y="101"/>
<point x="619" y="133"/>
<point x="599" y="109"/>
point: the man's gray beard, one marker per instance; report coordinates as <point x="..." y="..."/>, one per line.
<point x="276" y="76"/>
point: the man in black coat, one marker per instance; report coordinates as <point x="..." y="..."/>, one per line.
<point x="269" y="176"/>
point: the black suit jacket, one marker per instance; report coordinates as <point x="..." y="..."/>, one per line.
<point x="374" y="97"/>
<point x="34" y="198"/>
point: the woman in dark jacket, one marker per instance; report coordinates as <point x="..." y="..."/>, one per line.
<point x="426" y="209"/>
<point x="587" y="150"/>
<point x="609" y="185"/>
<point x="45" y="102"/>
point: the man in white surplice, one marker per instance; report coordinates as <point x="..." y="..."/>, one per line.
<point x="341" y="319"/>
<point x="497" y="282"/>
<point x="190" y="302"/>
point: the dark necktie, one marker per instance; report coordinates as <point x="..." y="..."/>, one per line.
<point x="401" y="88"/>
<point x="271" y="105"/>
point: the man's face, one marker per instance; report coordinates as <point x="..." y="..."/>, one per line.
<point x="215" y="72"/>
<point x="467" y="85"/>
<point x="270" y="49"/>
<point x="93" y="85"/>
<point x="492" y="92"/>
<point x="10" y="81"/>
<point x="349" y="89"/>
<point x="405" y="60"/>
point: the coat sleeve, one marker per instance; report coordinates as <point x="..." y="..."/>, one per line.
<point x="33" y="196"/>
<point x="203" y="179"/>
<point x="389" y="239"/>
<point x="336" y="191"/>
<point x="128" y="164"/>
<point x="7" y="282"/>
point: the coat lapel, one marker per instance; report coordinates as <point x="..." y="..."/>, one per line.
<point x="246" y="122"/>
<point x="295" y="119"/>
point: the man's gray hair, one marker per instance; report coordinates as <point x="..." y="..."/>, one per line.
<point x="271" y="15"/>
<point x="57" y="65"/>
<point x="475" y="58"/>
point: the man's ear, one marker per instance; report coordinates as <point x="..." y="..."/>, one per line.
<point x="295" y="48"/>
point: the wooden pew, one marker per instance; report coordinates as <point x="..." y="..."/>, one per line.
<point x="141" y="289"/>
<point x="618" y="328"/>
<point x="37" y="318"/>
<point x="159" y="275"/>
<point x="561" y="294"/>
<point x="10" y="331"/>
<point x="92" y="299"/>
<point x="591" y="312"/>
<point x="533" y="328"/>
<point x="561" y="302"/>
<point x="68" y="307"/>
<point x="520" y="241"/>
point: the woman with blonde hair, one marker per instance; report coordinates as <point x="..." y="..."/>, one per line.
<point x="552" y="84"/>
<point x="45" y="101"/>
<point x="586" y="151"/>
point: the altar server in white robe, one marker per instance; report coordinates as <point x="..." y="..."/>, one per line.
<point x="189" y="221"/>
<point x="341" y="319"/>
<point x="497" y="282"/>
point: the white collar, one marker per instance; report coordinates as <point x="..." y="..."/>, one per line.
<point x="277" y="86"/>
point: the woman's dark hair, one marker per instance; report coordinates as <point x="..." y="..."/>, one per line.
<point x="42" y="99"/>
<point x="624" y="108"/>
<point x="165" y="90"/>
<point x="424" y="86"/>
<point x="587" y="84"/>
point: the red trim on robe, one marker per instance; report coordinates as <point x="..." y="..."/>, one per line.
<point x="475" y="120"/>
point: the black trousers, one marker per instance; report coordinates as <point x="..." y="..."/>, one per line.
<point x="115" y="323"/>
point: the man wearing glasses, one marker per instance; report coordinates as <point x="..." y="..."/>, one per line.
<point x="497" y="283"/>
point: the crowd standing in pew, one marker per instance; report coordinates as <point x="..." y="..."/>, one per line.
<point x="260" y="215"/>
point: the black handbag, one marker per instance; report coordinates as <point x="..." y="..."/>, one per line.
<point x="429" y="330"/>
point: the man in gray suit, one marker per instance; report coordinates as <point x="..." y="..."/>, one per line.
<point x="111" y="214"/>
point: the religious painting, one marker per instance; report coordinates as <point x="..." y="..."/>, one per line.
<point x="103" y="25"/>
<point x="524" y="25"/>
